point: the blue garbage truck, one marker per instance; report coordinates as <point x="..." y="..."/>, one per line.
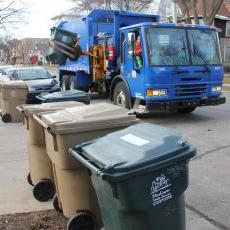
<point x="138" y="61"/>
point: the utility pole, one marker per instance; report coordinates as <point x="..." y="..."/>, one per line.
<point x="174" y="13"/>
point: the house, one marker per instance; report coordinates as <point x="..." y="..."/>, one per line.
<point x="22" y="50"/>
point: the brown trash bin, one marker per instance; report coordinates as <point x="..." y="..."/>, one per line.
<point x="68" y="128"/>
<point x="41" y="171"/>
<point x="13" y="93"/>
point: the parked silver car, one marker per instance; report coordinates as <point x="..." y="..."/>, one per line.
<point x="38" y="80"/>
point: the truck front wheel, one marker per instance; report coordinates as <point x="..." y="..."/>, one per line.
<point x="121" y="95"/>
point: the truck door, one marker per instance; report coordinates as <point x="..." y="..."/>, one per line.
<point x="132" y="62"/>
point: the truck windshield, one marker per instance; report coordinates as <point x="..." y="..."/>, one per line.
<point x="204" y="46"/>
<point x="169" y="46"/>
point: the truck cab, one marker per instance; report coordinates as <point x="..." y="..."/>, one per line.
<point x="169" y="67"/>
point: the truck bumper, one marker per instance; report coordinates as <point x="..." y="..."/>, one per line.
<point x="174" y="105"/>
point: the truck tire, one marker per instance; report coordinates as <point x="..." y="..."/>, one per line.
<point x="186" y="110"/>
<point x="66" y="82"/>
<point x="121" y="95"/>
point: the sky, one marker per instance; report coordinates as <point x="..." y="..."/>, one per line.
<point x="39" y="13"/>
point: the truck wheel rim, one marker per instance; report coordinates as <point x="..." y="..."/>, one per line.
<point x="121" y="99"/>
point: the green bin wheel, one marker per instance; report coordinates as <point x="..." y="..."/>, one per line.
<point x="6" y="118"/>
<point x="81" y="221"/>
<point x="29" y="180"/>
<point x="56" y="204"/>
<point x="43" y="191"/>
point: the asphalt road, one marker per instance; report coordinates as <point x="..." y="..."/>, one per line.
<point x="208" y="195"/>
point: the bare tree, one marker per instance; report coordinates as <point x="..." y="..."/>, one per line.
<point x="133" y="5"/>
<point x="190" y="8"/>
<point x="24" y="47"/>
<point x="11" y="13"/>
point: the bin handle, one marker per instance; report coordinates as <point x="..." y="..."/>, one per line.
<point x="42" y="123"/>
<point x="84" y="161"/>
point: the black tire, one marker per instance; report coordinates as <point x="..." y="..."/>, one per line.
<point x="121" y="95"/>
<point x="43" y="191"/>
<point x="66" y="82"/>
<point x="186" y="110"/>
<point x="29" y="180"/>
<point x="81" y="221"/>
<point x="6" y="118"/>
<point x="56" y="204"/>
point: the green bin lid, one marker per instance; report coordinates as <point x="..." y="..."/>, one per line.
<point x="69" y="95"/>
<point x="134" y="149"/>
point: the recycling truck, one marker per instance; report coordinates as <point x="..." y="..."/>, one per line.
<point x="138" y="61"/>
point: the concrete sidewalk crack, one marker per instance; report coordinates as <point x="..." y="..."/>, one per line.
<point x="210" y="151"/>
<point x="207" y="218"/>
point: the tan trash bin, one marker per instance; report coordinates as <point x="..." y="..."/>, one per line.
<point x="71" y="127"/>
<point x="13" y="93"/>
<point x="41" y="172"/>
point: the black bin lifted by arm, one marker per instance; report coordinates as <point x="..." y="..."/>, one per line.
<point x="140" y="175"/>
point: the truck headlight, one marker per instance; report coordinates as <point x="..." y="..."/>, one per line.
<point x="156" y="92"/>
<point x="216" y="89"/>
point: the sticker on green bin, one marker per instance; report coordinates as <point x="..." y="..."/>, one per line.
<point x="135" y="140"/>
<point x="160" y="190"/>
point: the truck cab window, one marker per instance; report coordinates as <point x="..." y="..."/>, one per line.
<point x="138" y="51"/>
<point x="122" y="55"/>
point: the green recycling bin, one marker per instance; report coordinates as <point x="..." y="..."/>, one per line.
<point x="140" y="175"/>
<point x="69" y="95"/>
<point x="63" y="36"/>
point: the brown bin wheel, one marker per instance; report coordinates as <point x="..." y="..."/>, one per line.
<point x="81" y="221"/>
<point x="6" y="118"/>
<point x="29" y="180"/>
<point x="43" y="191"/>
<point x="56" y="204"/>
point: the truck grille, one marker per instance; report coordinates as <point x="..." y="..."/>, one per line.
<point x="191" y="90"/>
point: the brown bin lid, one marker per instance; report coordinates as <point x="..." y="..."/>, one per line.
<point x="30" y="110"/>
<point x="96" y="116"/>
<point x="14" y="84"/>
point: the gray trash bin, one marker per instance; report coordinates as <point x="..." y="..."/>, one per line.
<point x="140" y="175"/>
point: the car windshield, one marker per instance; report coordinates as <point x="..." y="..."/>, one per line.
<point x="171" y="47"/>
<point x="3" y="69"/>
<point x="3" y="72"/>
<point x="167" y="46"/>
<point x="34" y="74"/>
<point x="204" y="47"/>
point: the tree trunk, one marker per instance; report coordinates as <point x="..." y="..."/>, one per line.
<point x="209" y="19"/>
<point x="195" y="14"/>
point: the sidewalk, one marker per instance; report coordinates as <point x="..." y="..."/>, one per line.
<point x="15" y="193"/>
